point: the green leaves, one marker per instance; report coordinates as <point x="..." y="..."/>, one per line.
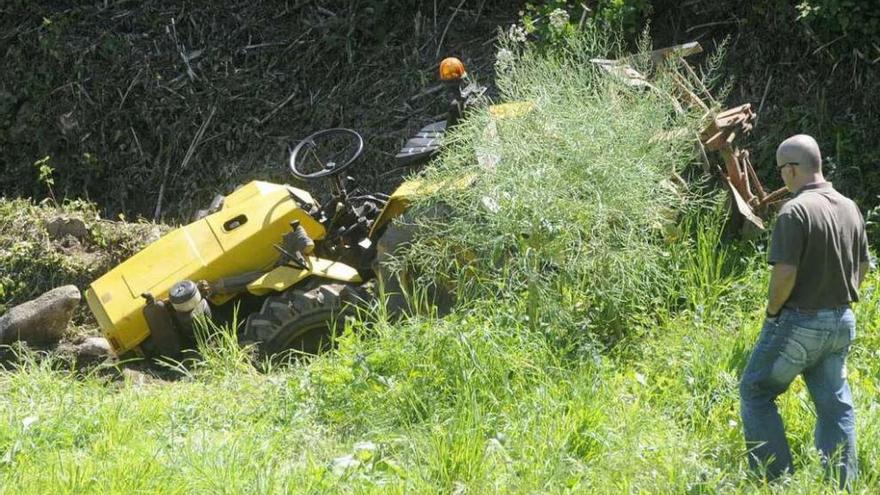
<point x="45" y="170"/>
<point x="576" y="198"/>
<point x="857" y="21"/>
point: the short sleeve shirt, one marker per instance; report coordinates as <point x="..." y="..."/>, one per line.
<point x="822" y="233"/>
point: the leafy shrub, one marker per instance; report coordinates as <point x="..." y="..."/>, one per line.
<point x="858" y="20"/>
<point x="628" y="14"/>
<point x="573" y="215"/>
<point x="552" y="19"/>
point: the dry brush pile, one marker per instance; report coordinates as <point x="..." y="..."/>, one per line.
<point x="150" y="108"/>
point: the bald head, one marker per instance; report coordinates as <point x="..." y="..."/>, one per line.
<point x="801" y="149"/>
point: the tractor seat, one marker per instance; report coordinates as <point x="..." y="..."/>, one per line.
<point x="423" y="145"/>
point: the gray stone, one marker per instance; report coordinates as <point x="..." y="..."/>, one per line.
<point x="63" y="226"/>
<point x="42" y="320"/>
<point x="136" y="377"/>
<point x="92" y="350"/>
<point x="86" y="352"/>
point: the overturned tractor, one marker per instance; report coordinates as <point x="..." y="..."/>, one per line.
<point x="293" y="263"/>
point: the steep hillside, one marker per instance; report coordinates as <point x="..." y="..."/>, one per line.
<point x="150" y="108"/>
<point x="146" y="107"/>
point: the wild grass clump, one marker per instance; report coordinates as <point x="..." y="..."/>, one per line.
<point x="575" y="213"/>
<point x="422" y="367"/>
<point x="35" y="257"/>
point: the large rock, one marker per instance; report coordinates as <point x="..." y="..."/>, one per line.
<point x="63" y="226"/>
<point x="92" y="350"/>
<point x="41" y="321"/>
<point x="94" y="347"/>
<point x="86" y="352"/>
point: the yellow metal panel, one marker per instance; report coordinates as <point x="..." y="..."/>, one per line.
<point x="403" y="196"/>
<point x="183" y="248"/>
<point x="332" y="269"/>
<point x="101" y="316"/>
<point x="511" y="110"/>
<point x="283" y="277"/>
<point x="203" y="250"/>
<point x="277" y="280"/>
<point x="241" y="195"/>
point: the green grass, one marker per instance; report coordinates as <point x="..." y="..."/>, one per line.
<point x="592" y="352"/>
<point x="474" y="402"/>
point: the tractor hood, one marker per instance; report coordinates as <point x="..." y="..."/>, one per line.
<point x="236" y="239"/>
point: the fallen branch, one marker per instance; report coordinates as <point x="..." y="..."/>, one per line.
<point x="277" y="107"/>
<point x="186" y="159"/>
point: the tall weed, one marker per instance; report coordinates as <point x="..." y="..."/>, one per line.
<point x="577" y="205"/>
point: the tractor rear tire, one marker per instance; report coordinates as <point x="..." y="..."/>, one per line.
<point x="303" y="319"/>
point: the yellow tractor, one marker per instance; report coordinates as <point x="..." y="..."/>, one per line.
<point x="297" y="262"/>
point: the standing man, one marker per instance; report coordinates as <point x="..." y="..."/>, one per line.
<point x="819" y="253"/>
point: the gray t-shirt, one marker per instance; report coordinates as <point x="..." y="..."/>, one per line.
<point x="822" y="233"/>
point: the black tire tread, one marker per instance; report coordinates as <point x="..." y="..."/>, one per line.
<point x="302" y="319"/>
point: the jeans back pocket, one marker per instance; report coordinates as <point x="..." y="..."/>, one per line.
<point x="801" y="348"/>
<point x="811" y="341"/>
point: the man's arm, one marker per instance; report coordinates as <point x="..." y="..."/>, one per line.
<point x="864" y="255"/>
<point x="782" y="280"/>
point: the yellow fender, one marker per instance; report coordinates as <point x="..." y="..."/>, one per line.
<point x="407" y="192"/>
<point x="284" y="277"/>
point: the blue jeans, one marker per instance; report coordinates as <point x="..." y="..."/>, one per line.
<point x="813" y="344"/>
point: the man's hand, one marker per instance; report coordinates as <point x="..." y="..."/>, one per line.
<point x="782" y="280"/>
<point x="863" y="271"/>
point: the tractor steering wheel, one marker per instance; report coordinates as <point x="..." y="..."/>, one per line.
<point x="326" y="153"/>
